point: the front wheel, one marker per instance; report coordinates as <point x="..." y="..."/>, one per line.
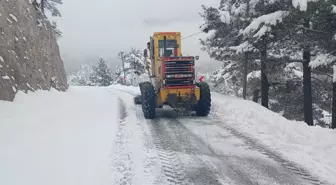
<point x="148" y="100"/>
<point x="203" y="106"/>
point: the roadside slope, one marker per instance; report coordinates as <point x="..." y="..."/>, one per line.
<point x="310" y="147"/>
<point x="29" y="54"/>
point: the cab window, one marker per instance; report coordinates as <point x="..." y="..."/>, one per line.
<point x="171" y="45"/>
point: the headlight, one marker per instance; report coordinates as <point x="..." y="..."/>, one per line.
<point x="170" y="76"/>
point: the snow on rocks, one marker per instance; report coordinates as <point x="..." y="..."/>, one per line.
<point x="13" y="17"/>
<point x="9" y="21"/>
<point x="5" y="77"/>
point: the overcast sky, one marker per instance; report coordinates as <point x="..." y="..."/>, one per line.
<point x="105" y="27"/>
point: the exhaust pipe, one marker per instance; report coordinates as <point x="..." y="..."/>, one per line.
<point x="165" y="46"/>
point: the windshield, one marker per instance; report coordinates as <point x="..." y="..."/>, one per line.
<point x="170" y="47"/>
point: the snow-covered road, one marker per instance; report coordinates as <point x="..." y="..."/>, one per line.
<point x="202" y="151"/>
<point x="93" y="136"/>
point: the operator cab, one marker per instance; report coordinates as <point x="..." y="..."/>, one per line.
<point x="171" y="48"/>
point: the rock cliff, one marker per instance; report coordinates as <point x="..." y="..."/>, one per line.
<point x="29" y="53"/>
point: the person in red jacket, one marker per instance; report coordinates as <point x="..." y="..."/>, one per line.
<point x="201" y="78"/>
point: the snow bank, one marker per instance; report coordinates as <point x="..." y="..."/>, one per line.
<point x="58" y="138"/>
<point x="311" y="147"/>
<point x="128" y="89"/>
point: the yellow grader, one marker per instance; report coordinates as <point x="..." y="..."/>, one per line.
<point x="172" y="79"/>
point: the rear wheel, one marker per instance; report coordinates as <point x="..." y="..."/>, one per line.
<point x="204" y="104"/>
<point x="148" y="100"/>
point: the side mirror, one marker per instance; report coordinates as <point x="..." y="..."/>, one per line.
<point x="197" y="57"/>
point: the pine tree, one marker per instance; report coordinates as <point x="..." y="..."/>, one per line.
<point x="51" y="6"/>
<point x="323" y="25"/>
<point x="102" y="75"/>
<point x="244" y="26"/>
<point x="281" y="33"/>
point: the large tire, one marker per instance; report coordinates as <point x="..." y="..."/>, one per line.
<point x="148" y="100"/>
<point x="203" y="106"/>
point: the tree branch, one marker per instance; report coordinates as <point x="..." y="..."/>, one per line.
<point x="309" y="29"/>
<point x="274" y="84"/>
<point x="322" y="73"/>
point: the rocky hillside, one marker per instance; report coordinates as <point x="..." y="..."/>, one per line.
<point x="29" y="54"/>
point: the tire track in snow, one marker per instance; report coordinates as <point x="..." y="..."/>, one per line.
<point x="168" y="148"/>
<point x="217" y="168"/>
<point x="167" y="153"/>
<point x="242" y="169"/>
<point x="147" y="169"/>
<point x="122" y="162"/>
<point x="178" y="153"/>
<point x="211" y="170"/>
<point x="170" y="161"/>
<point x="256" y="145"/>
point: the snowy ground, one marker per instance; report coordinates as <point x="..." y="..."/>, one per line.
<point x="58" y="138"/>
<point x="308" y="148"/>
<point x="95" y="136"/>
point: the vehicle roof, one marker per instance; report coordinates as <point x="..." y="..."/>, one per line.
<point x="167" y="33"/>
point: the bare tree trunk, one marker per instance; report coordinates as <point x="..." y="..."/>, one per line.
<point x="255" y="95"/>
<point x="123" y="68"/>
<point x="245" y="75"/>
<point x="333" y="124"/>
<point x="307" y="91"/>
<point x="264" y="80"/>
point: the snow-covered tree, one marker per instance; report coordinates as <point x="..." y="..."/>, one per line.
<point x="320" y="26"/>
<point x="244" y="26"/>
<point x="132" y="71"/>
<point x="52" y="7"/>
<point x="82" y="76"/>
<point x="285" y="33"/>
<point x="102" y="75"/>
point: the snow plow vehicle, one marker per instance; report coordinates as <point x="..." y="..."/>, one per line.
<point x="172" y="79"/>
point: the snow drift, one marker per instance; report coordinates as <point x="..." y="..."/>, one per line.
<point x="58" y="138"/>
